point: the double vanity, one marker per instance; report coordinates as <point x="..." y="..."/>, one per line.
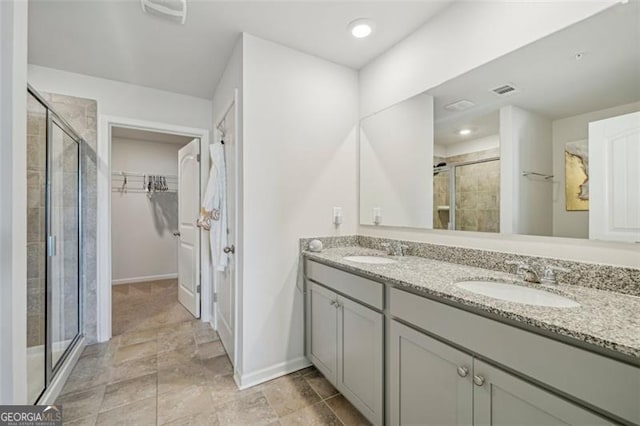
<point x="414" y="340"/>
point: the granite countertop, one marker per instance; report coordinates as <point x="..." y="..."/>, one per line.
<point x="606" y="319"/>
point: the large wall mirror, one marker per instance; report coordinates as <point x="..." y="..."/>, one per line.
<point x="542" y="141"/>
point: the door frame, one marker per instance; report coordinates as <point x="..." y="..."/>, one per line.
<point x="103" y="216"/>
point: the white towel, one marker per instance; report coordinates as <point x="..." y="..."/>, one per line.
<point x="215" y="202"/>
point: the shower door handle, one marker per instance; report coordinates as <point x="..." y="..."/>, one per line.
<point x="51" y="245"/>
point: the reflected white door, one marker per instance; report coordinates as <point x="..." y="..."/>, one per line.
<point x="225" y="281"/>
<point x="614" y="177"/>
<point x="189" y="240"/>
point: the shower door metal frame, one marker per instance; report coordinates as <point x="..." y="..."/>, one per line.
<point x="53" y="118"/>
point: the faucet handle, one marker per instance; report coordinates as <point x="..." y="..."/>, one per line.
<point x="521" y="264"/>
<point x="549" y="274"/>
<point x="387" y="247"/>
<point x="521" y="267"/>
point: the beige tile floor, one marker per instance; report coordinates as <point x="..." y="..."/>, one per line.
<point x="174" y="372"/>
<point x="146" y="305"/>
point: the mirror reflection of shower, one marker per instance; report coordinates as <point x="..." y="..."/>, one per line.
<point x="466" y="174"/>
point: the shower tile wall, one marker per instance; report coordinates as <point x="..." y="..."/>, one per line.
<point x="36" y="170"/>
<point x="82" y="115"/>
<point x="477" y="192"/>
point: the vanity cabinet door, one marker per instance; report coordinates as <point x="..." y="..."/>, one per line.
<point x="360" y="350"/>
<point x="322" y="342"/>
<point x="500" y="398"/>
<point x="430" y="381"/>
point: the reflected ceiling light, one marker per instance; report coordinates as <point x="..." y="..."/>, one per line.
<point x="464" y="132"/>
<point x="173" y="10"/>
<point x="361" y="28"/>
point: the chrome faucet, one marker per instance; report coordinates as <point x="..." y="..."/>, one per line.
<point x="524" y="271"/>
<point x="395" y="248"/>
<point x="537" y="272"/>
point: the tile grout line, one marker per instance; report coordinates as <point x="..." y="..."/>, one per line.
<point x="332" y="410"/>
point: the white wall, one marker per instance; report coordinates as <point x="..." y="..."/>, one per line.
<point x="467" y="147"/>
<point x="396" y="160"/>
<point x="574" y="224"/>
<point x="463" y="36"/>
<point x="123" y="99"/>
<point x="142" y="243"/>
<point x="525" y="202"/>
<point x="13" y="202"/>
<point x="300" y="121"/>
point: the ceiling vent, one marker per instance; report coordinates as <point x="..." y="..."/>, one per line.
<point x="505" y="90"/>
<point x="172" y="10"/>
<point x="459" y="105"/>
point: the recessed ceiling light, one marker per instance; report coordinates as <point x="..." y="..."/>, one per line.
<point x="361" y="28"/>
<point x="464" y="132"/>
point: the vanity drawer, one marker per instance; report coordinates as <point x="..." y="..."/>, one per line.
<point x="359" y="288"/>
<point x="596" y="380"/>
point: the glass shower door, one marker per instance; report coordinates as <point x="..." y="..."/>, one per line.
<point x="36" y="242"/>
<point x="63" y="250"/>
<point x="53" y="243"/>
<point x="477" y="195"/>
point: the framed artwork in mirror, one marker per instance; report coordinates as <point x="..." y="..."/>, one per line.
<point x="576" y="159"/>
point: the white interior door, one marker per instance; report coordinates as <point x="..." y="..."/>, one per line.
<point x="189" y="238"/>
<point x="614" y="178"/>
<point x="225" y="281"/>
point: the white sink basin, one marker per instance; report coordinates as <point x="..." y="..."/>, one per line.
<point x="375" y="260"/>
<point x="518" y="294"/>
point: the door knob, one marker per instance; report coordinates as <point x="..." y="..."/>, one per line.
<point x="176" y="234"/>
<point x="463" y="371"/>
<point x="230" y="249"/>
<point x="478" y="380"/>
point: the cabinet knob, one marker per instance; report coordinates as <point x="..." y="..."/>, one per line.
<point x="478" y="380"/>
<point x="463" y="371"/>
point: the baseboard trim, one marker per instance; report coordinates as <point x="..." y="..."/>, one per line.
<point x="60" y="379"/>
<point x="245" y="381"/>
<point x="143" y="279"/>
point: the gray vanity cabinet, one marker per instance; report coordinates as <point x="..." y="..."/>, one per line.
<point x="433" y="383"/>
<point x="430" y="382"/>
<point x="345" y="338"/>
<point x="322" y="342"/>
<point x="360" y="357"/>
<point x="500" y="398"/>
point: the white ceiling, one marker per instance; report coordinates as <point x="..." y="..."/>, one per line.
<point x="148" y="136"/>
<point x="551" y="81"/>
<point x="116" y="40"/>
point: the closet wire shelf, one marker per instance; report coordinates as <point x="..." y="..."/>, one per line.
<point x="143" y="183"/>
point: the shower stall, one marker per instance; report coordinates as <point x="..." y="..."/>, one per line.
<point x="466" y="195"/>
<point x="54" y="290"/>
